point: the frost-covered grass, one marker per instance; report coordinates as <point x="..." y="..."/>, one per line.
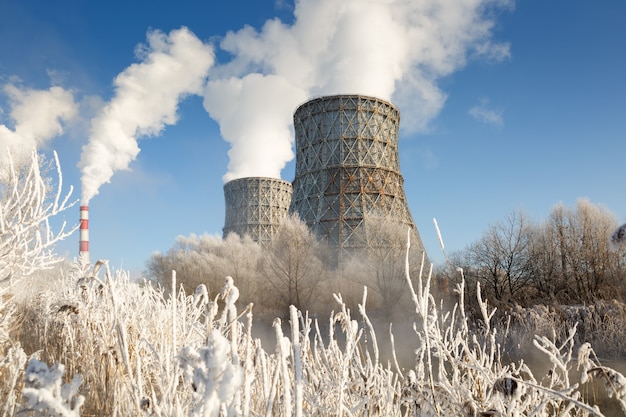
<point x="103" y="345"/>
<point x="602" y="323"/>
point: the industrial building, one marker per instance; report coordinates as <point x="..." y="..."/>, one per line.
<point x="255" y="206"/>
<point x="347" y="176"/>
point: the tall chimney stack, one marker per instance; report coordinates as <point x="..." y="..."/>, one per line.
<point x="83" y="245"/>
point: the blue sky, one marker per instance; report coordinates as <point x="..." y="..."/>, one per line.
<point x="524" y="105"/>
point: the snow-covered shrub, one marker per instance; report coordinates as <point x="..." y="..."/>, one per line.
<point x="12" y="358"/>
<point x="215" y="380"/>
<point x="460" y="371"/>
<point x="28" y="202"/>
<point x="614" y="382"/>
<point x="603" y="324"/>
<point x="142" y="353"/>
<point x="45" y="393"/>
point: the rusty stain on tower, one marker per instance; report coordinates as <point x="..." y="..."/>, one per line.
<point x="348" y="170"/>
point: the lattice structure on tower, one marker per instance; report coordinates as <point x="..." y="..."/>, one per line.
<point x="348" y="171"/>
<point x="256" y="206"/>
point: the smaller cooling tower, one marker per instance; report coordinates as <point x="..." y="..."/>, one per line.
<point x="255" y="206"/>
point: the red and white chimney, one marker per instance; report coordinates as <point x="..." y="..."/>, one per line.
<point x="83" y="245"/>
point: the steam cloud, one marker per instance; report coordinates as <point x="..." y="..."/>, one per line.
<point x="38" y="116"/>
<point x="397" y="50"/>
<point x="146" y="100"/>
<point x="393" y="49"/>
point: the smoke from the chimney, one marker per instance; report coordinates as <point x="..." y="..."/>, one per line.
<point x="146" y="100"/>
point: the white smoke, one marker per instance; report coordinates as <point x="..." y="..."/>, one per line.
<point x="146" y="99"/>
<point x="257" y="149"/>
<point x="396" y="50"/>
<point x="37" y="115"/>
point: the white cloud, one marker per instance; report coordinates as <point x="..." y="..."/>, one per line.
<point x="37" y="116"/>
<point x="484" y="114"/>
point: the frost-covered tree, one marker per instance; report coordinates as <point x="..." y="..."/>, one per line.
<point x="565" y="259"/>
<point x="581" y="238"/>
<point x="292" y="266"/>
<point x="28" y="201"/>
<point x="207" y="259"/>
<point x="544" y="269"/>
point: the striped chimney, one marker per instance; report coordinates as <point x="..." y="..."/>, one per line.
<point x="83" y="245"/>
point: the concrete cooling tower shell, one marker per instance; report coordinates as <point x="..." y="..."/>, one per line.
<point x="347" y="169"/>
<point x="255" y="206"/>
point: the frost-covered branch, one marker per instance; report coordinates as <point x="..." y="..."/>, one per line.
<point x="27" y="204"/>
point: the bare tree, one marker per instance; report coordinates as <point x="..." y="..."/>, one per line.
<point x="545" y="258"/>
<point x="28" y="201"/>
<point x="581" y="239"/>
<point x="566" y="259"/>
<point x="500" y="260"/>
<point x="514" y="245"/>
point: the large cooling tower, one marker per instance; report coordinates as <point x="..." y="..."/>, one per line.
<point x="255" y="206"/>
<point x="347" y="170"/>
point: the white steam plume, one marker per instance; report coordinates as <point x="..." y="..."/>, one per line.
<point x="37" y="115"/>
<point x="393" y="49"/>
<point x="146" y="99"/>
<point x="267" y="123"/>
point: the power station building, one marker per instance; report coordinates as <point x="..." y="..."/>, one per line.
<point x="255" y="206"/>
<point x="347" y="177"/>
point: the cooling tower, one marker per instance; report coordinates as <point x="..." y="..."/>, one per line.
<point x="255" y="206"/>
<point x="83" y="244"/>
<point x="347" y="170"/>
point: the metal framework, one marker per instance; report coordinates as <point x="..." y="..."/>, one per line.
<point x="256" y="206"/>
<point x="347" y="169"/>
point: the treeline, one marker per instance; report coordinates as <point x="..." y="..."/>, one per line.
<point x="296" y="269"/>
<point x="566" y="259"/>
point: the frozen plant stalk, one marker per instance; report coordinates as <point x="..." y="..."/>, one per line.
<point x="215" y="379"/>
